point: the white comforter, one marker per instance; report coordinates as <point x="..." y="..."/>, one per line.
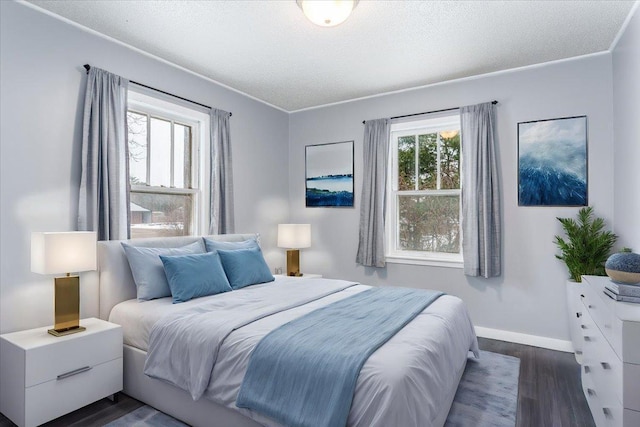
<point x="405" y="382"/>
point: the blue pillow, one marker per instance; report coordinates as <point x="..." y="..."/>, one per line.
<point x="193" y="276"/>
<point x="147" y="269"/>
<point x="215" y="245"/>
<point x="245" y="267"/>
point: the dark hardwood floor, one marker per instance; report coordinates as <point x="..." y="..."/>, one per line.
<point x="550" y="393"/>
<point x="550" y="389"/>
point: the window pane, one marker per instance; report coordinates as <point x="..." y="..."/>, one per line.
<point x="137" y="134"/>
<point x="160" y="215"/>
<point x="181" y="156"/>
<point x="429" y="223"/>
<point x="160" y="152"/>
<point x="428" y="161"/>
<point x="450" y="160"/>
<point x="406" y="163"/>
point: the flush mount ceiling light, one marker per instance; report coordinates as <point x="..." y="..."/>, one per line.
<point x="327" y="13"/>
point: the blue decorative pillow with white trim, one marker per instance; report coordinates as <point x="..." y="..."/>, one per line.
<point x="194" y="276"/>
<point x="245" y="267"/>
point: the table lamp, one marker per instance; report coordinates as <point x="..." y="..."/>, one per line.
<point x="64" y="252"/>
<point x="294" y="237"/>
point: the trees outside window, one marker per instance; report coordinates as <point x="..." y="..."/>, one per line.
<point x="424" y="190"/>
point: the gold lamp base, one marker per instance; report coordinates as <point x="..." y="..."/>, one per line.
<point x="65" y="332"/>
<point x="66" y="306"/>
<point x="293" y="263"/>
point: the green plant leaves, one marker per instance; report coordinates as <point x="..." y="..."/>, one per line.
<point x="588" y="244"/>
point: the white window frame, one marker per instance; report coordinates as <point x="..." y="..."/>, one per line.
<point x="393" y="255"/>
<point x="141" y="101"/>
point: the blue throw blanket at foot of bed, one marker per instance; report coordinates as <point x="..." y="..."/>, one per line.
<point x="304" y="373"/>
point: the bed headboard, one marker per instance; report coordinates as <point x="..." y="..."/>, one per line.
<point x="115" y="279"/>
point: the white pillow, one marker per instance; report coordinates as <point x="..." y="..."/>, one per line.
<point x="148" y="271"/>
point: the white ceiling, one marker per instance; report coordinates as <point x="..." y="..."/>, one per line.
<point x="269" y="50"/>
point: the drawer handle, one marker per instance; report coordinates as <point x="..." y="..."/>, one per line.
<point x="579" y="314"/>
<point x="591" y="306"/>
<point x="583" y="326"/>
<point x="587" y="369"/>
<point x="581" y="295"/>
<point x="591" y="392"/>
<point x="605" y="365"/>
<point x="607" y="412"/>
<point x="587" y="338"/>
<point x="74" y="372"/>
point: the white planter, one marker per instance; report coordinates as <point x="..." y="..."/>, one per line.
<point x="575" y="308"/>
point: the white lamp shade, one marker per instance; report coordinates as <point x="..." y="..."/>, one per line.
<point x="294" y="236"/>
<point x="327" y="13"/>
<point x="63" y="252"/>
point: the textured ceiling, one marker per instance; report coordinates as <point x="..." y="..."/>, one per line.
<point x="269" y="50"/>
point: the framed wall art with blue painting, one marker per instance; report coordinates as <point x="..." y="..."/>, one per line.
<point x="552" y="162"/>
<point x="329" y="174"/>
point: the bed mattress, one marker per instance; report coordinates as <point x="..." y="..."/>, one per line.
<point x="404" y="382"/>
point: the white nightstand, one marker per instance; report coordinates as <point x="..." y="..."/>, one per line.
<point x="43" y="377"/>
<point x="305" y="276"/>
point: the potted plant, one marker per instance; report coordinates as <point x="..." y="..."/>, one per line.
<point x="585" y="251"/>
<point x="587" y="246"/>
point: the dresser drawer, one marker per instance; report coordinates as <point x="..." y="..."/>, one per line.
<point x="627" y="340"/>
<point x="599" y="311"/>
<point x="57" y="397"/>
<point x="601" y="375"/>
<point x="631" y="375"/>
<point x="605" y="408"/>
<point x="607" y="368"/>
<point x="631" y="418"/>
<point x="611" y="356"/>
<point x="45" y="363"/>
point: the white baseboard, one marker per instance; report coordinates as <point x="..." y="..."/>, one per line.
<point x="516" y="337"/>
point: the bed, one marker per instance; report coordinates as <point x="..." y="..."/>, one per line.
<point x="410" y="380"/>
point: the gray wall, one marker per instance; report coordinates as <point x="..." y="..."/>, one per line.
<point x="42" y="85"/>
<point x="626" y="122"/>
<point x="529" y="297"/>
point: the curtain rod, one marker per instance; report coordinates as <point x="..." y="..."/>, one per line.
<point x="88" y="67"/>
<point x="494" y="102"/>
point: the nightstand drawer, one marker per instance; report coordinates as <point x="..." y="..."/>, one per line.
<point x="43" y="377"/>
<point x="49" y="400"/>
<point x="67" y="354"/>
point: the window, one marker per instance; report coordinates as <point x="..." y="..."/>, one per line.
<point x="424" y="208"/>
<point x="164" y="145"/>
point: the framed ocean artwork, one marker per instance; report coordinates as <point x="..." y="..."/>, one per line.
<point x="329" y="175"/>
<point x="552" y="162"/>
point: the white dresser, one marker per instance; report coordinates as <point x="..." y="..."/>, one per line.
<point x="43" y="377"/>
<point x="610" y="355"/>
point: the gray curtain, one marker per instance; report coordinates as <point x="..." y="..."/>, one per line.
<point x="104" y="185"/>
<point x="481" y="223"/>
<point x="372" y="204"/>
<point x="221" y="177"/>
